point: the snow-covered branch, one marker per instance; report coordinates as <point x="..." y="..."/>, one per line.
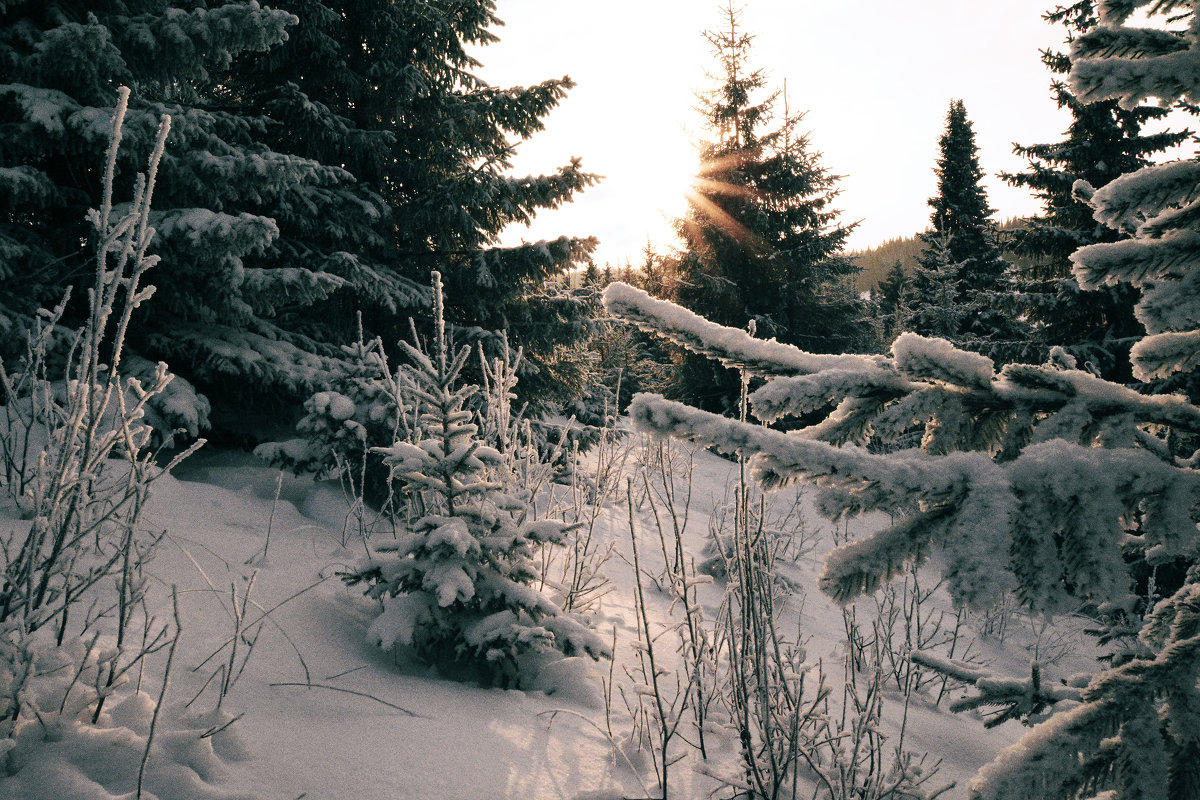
<point x="1019" y="698"/>
<point x="731" y="346"/>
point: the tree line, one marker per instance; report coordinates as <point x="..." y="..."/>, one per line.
<point x="762" y="244"/>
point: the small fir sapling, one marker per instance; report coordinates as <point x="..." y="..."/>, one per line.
<point x="456" y="586"/>
<point x="363" y="408"/>
<point x="1027" y="480"/>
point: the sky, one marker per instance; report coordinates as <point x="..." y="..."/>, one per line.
<point x="875" y="77"/>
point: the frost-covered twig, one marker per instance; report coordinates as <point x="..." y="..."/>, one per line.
<point x="667" y="704"/>
<point x="1025" y="699"/>
<point x="162" y="692"/>
<point x="82" y="467"/>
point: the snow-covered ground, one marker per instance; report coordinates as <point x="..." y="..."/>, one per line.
<point x="323" y="714"/>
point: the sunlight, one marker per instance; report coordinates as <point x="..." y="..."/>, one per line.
<point x="668" y="179"/>
<point x="719" y="216"/>
<point x="677" y="185"/>
<point x="704" y="186"/>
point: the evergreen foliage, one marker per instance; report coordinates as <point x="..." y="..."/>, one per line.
<point x="387" y="89"/>
<point x="1025" y="482"/>
<point x="1103" y="142"/>
<point x="324" y="156"/>
<point x="456" y="585"/>
<point x="359" y="410"/>
<point x="629" y="360"/>
<point x="961" y="262"/>
<point x="762" y="244"/>
<point x="874" y="262"/>
<point x="891" y="297"/>
<point x="1156" y="209"/>
<point x="228" y="210"/>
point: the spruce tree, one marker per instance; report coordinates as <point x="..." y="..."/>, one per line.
<point x="892" y="298"/>
<point x="321" y="162"/>
<point x="1156" y="750"/>
<point x="1103" y="142"/>
<point x="762" y="244"/>
<point x="235" y="219"/>
<point x="388" y="90"/>
<point x="1156" y="207"/>
<point x="456" y="584"/>
<point x="961" y="252"/>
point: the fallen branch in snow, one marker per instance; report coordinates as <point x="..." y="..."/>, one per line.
<point x="356" y="694"/>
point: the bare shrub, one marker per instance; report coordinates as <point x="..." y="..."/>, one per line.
<point x="79" y="467"/>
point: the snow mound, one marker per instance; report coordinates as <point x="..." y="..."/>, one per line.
<point x="65" y="758"/>
<point x="573" y="680"/>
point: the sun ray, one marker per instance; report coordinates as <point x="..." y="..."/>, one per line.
<point x="723" y="220"/>
<point x="710" y="186"/>
<point x="725" y="163"/>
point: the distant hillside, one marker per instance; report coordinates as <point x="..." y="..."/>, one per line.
<point x="876" y="261"/>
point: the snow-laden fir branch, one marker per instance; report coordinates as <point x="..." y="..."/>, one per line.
<point x="1001" y="525"/>
<point x="1018" y="698"/>
<point x="730" y="346"/>
<point x="926" y="373"/>
<point x="1039" y="480"/>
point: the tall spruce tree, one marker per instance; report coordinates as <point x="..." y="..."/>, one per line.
<point x="961" y="263"/>
<point x="762" y="243"/>
<point x="388" y="90"/>
<point x="1103" y="142"/>
<point x="233" y="215"/>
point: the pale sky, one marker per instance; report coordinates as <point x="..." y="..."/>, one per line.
<point x="875" y="76"/>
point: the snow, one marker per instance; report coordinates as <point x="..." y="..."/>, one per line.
<point x="44" y="107"/>
<point x="733" y="347"/>
<point x="575" y="680"/>
<point x="1127" y="201"/>
<point x="325" y="713"/>
<point x="923" y="358"/>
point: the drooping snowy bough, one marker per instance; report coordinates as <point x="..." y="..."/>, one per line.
<point x="1038" y="480"/>
<point x="1158" y="205"/>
